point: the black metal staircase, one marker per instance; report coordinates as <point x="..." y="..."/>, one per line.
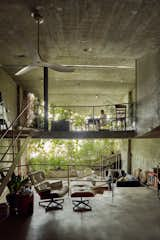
<point x="10" y="153"/>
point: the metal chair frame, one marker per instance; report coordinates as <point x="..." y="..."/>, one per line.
<point x="121" y="115"/>
<point x="52" y="203"/>
<point x="83" y="202"/>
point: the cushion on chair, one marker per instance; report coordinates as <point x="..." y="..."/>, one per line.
<point x="82" y="191"/>
<point x="61" y="192"/>
<point x="42" y="185"/>
<point x="44" y="194"/>
<point x="55" y="184"/>
<point x="39" y="181"/>
<point x="48" y="194"/>
<point x="100" y="188"/>
<point x="37" y="177"/>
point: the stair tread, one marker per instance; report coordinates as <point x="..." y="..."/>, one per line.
<point x="5" y="146"/>
<point x="8" y="153"/>
<point x="6" y="162"/>
<point x="12" y="165"/>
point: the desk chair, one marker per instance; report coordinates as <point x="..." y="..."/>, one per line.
<point x="94" y="122"/>
<point x="3" y="124"/>
<point x="120" y="116"/>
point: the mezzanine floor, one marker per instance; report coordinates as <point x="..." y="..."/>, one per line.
<point x="133" y="213"/>
<point x="34" y="133"/>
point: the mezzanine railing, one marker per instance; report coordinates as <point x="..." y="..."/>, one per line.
<point x="88" y="118"/>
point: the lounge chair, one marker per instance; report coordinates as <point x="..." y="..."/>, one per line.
<point x="50" y="192"/>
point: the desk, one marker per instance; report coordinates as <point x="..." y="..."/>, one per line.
<point x="93" y="121"/>
<point x="61" y="125"/>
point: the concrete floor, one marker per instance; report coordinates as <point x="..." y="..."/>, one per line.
<point x="133" y="213"/>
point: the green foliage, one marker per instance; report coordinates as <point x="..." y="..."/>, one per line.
<point x="59" y="153"/>
<point x="78" y="120"/>
<point x="63" y="152"/>
<point x="16" y="183"/>
<point x="60" y="113"/>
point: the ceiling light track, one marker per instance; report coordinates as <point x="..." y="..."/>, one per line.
<point x="100" y="66"/>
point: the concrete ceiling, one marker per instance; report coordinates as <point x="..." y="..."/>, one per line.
<point x="82" y="32"/>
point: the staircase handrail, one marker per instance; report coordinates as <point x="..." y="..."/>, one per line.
<point x="12" y="167"/>
<point x="14" y="121"/>
<point x="11" y="144"/>
<point x="113" y="156"/>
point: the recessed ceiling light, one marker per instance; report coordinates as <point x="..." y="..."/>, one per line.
<point x="11" y="32"/>
<point x="21" y="56"/>
<point x="134" y="12"/>
<point x="40" y="7"/>
<point x="87" y="49"/>
<point x="59" y="9"/>
<point x="83" y="41"/>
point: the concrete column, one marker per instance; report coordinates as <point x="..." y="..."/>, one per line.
<point x="18" y="141"/>
<point x="129" y="157"/>
<point x="18" y="103"/>
<point x="46" y="98"/>
<point x="130" y="108"/>
<point x="19" y="161"/>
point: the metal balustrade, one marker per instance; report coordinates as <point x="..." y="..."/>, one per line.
<point x="119" y="117"/>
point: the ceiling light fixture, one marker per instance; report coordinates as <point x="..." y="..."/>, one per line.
<point x="87" y="49"/>
<point x="99" y="66"/>
<point x="21" y="56"/>
<point x="83" y="41"/>
<point x="134" y="12"/>
<point x="59" y="9"/>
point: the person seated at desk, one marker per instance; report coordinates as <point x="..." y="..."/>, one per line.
<point x="98" y="122"/>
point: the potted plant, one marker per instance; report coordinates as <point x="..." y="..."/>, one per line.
<point x="16" y="186"/>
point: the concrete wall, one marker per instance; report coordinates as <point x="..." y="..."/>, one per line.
<point x="9" y="94"/>
<point x="145" y="153"/>
<point x="148" y="92"/>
